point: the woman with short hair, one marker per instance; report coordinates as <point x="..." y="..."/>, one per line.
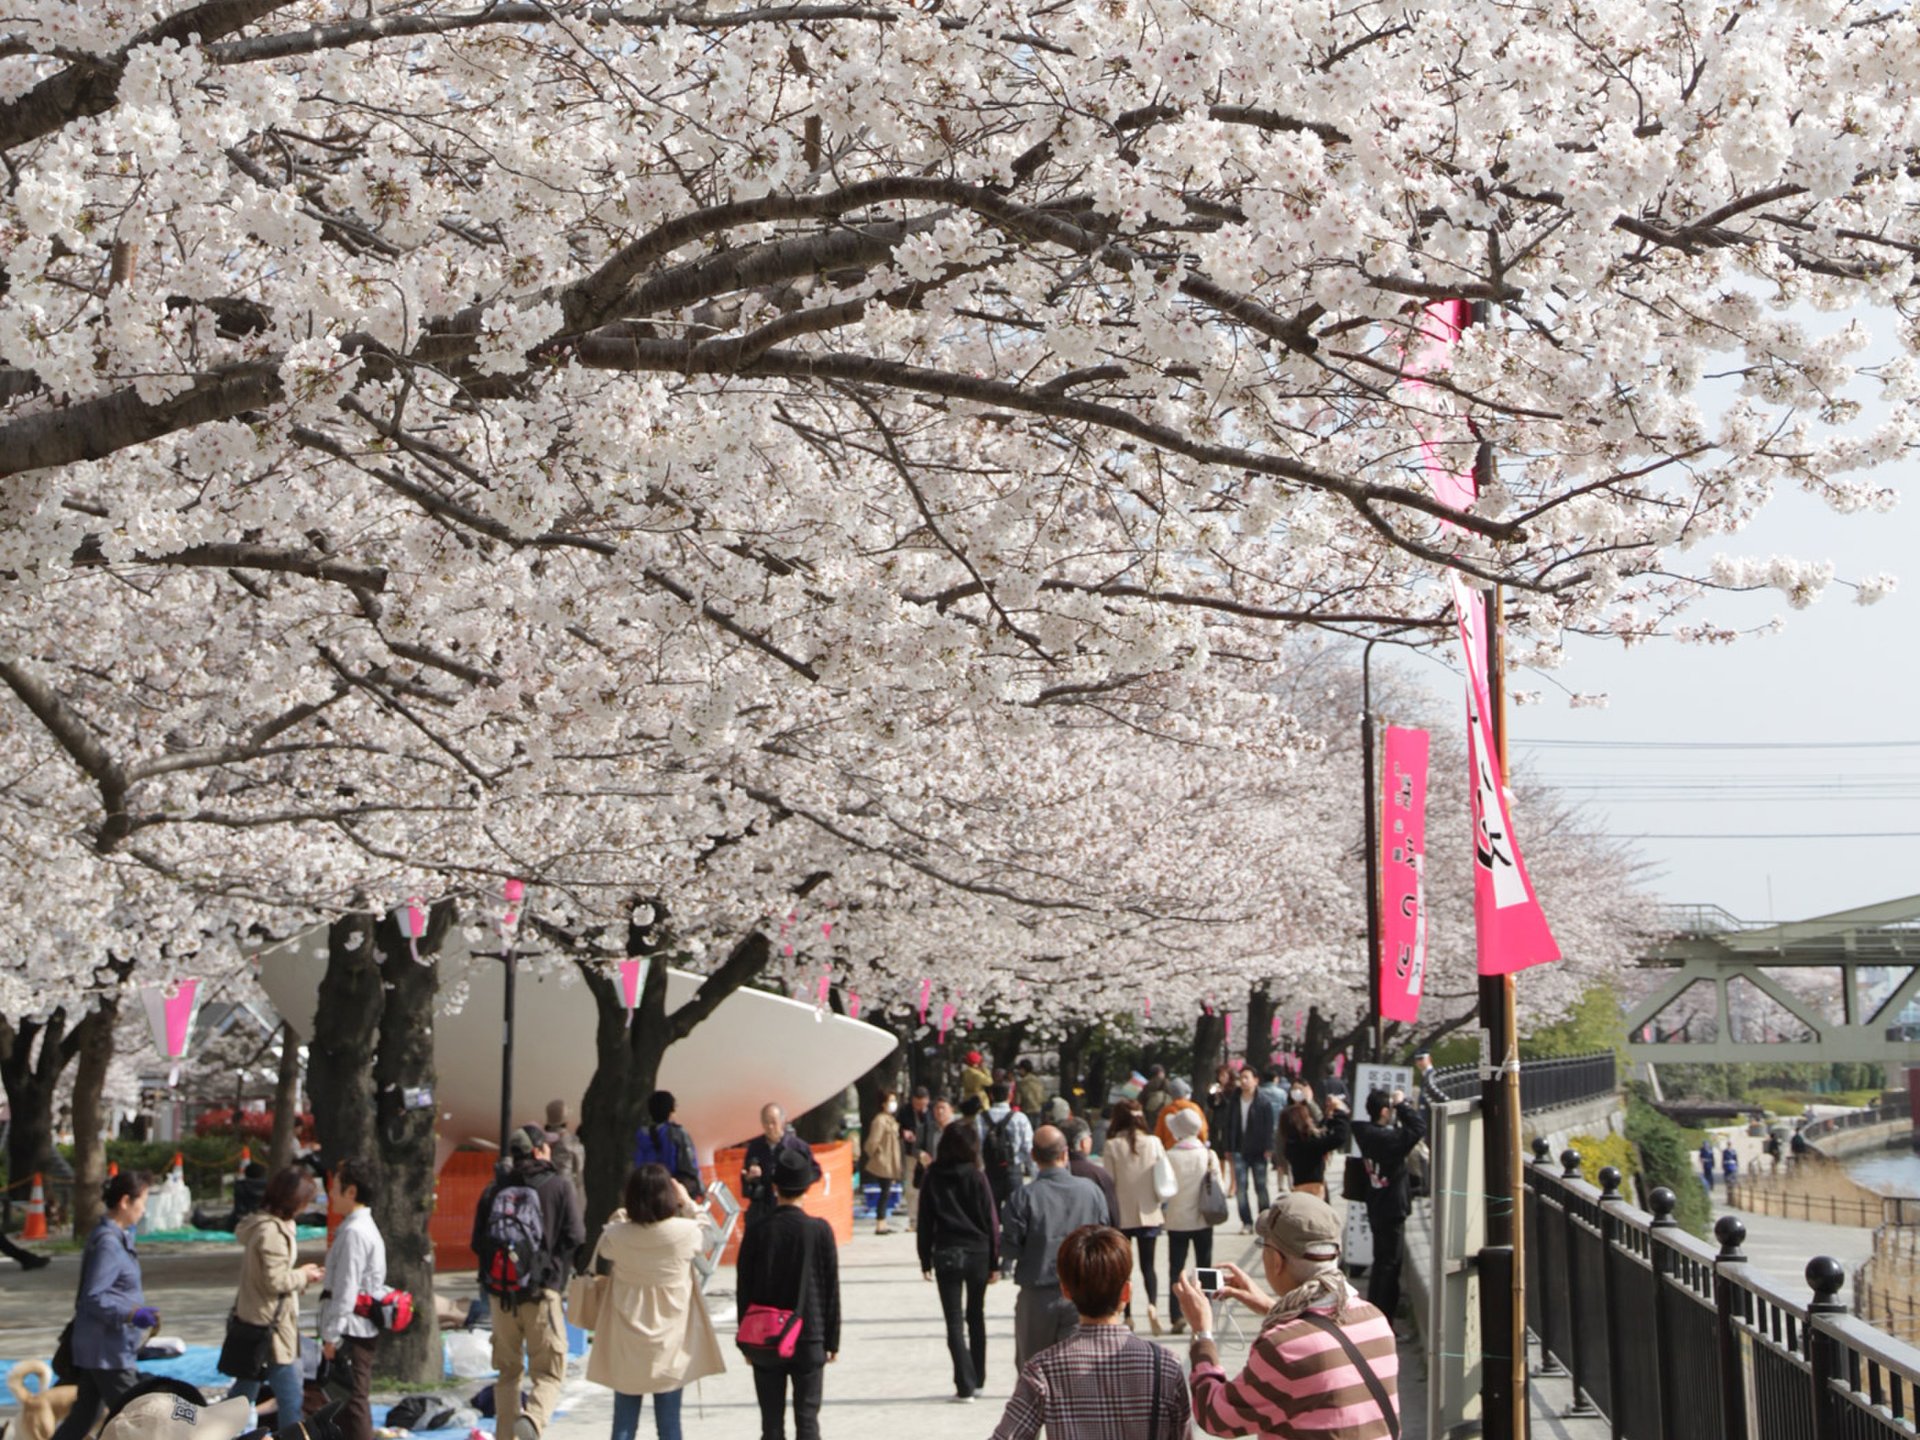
<point x="271" y="1283"/>
<point x="110" y="1314"/>
<point x="1306" y="1144"/>
<point x="1102" y="1380"/>
<point x="356" y="1266"/>
<point x="654" y="1336"/>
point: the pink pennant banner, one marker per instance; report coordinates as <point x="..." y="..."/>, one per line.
<point x="1146" y="1007"/>
<point x="853" y="1005"/>
<point x="926" y="994"/>
<point x="946" y="1021"/>
<point x="1273" y="1032"/>
<point x="1403" y="844"/>
<point x="1226" y="1027"/>
<point x="1340" y="1064"/>
<point x="826" y="988"/>
<point x="170" y="1014"/>
<point x="633" y="980"/>
<point x="1511" y="930"/>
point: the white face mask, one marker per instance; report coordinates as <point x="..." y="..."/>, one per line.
<point x="1296" y="1096"/>
<point x="892" y="1105"/>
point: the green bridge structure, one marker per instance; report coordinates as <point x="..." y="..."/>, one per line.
<point x="1832" y="988"/>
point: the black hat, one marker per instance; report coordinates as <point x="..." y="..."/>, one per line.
<point x="792" y="1171"/>
<point x="522" y="1143"/>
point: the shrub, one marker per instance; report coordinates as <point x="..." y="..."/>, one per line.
<point x="1667" y="1159"/>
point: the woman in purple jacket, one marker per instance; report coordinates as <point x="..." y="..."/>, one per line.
<point x="110" y="1313"/>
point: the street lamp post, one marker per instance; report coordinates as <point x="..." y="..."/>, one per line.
<point x="514" y="892"/>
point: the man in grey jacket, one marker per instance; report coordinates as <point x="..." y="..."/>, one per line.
<point x="1037" y="1217"/>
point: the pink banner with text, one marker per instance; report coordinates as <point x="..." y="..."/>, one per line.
<point x="1510" y="928"/>
<point x="1403" y="844"/>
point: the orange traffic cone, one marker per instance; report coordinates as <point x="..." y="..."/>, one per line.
<point x="36" y="1226"/>
<point x="246" y="1158"/>
<point x="113" y="1168"/>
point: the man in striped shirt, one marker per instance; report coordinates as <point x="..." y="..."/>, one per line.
<point x="1324" y="1364"/>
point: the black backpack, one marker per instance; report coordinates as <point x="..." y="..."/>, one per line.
<point x="514" y="1264"/>
<point x="996" y="1154"/>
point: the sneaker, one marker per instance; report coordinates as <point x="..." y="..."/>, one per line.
<point x="960" y="1399"/>
<point x="1246" y="1229"/>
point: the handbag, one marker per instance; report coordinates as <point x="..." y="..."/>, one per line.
<point x="1166" y="1184"/>
<point x="1215" y="1207"/>
<point x="247" y="1351"/>
<point x="769" y="1334"/>
<point x="1353" y="1180"/>
<point x="587" y="1295"/>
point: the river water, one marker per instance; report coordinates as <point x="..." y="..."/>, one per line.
<point x="1892" y="1172"/>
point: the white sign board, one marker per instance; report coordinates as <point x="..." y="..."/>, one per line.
<point x="1365" y="1079"/>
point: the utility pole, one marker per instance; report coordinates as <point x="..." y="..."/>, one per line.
<point x="1372" y="804"/>
<point x="1504" y="1325"/>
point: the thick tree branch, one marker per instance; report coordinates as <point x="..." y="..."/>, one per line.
<point x="74" y="736"/>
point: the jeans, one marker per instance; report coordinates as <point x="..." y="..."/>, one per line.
<point x="1177" y="1242"/>
<point x="966" y="1332"/>
<point x="1383" y="1276"/>
<point x="666" y="1415"/>
<point x="95" y="1391"/>
<point x="285" y="1383"/>
<point x="1147" y="1239"/>
<point x="1256" y="1170"/>
<point x="770" y="1387"/>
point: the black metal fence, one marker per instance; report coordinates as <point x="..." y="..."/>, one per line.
<point x="1544" y="1084"/>
<point x="1898" y="1107"/>
<point x="1671" y="1339"/>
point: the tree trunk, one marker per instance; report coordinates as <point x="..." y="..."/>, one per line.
<point x="346" y="1020"/>
<point x="32" y="1059"/>
<point x="403" y="1079"/>
<point x="286" y="1103"/>
<point x="1209" y="1036"/>
<point x="1073" y="1049"/>
<point x="627" y="1069"/>
<point x="1259" y="1037"/>
<point x="625" y="1074"/>
<point x="1006" y="1045"/>
<point x="95" y="1035"/>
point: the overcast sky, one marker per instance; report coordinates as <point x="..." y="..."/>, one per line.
<point x="1839" y="675"/>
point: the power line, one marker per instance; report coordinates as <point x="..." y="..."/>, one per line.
<point x="1716" y="744"/>
<point x="1770" y="835"/>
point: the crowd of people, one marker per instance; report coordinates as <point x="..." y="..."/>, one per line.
<point x="1009" y="1185"/>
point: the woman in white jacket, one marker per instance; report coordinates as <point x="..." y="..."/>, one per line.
<point x="654" y="1336"/>
<point x="1192" y="1163"/>
<point x="1132" y="1156"/>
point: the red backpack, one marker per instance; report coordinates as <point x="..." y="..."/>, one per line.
<point x="392" y="1311"/>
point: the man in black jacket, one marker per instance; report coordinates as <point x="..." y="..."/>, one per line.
<point x="757" y="1168"/>
<point x="527" y="1288"/>
<point x="1080" y="1162"/>
<point x="1246" y="1138"/>
<point x="1386" y="1137"/>
<point x="774" y="1255"/>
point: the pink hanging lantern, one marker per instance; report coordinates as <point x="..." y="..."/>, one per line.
<point x="926" y="994"/>
<point x="633" y="981"/>
<point x="171" y="1010"/>
<point x="513" y="892"/>
<point x="853" y="1005"/>
<point x="412" y="919"/>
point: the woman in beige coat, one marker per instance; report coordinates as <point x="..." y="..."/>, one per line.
<point x="1132" y="1154"/>
<point x="654" y="1336"/>
<point x="271" y="1282"/>
<point x="880" y="1158"/>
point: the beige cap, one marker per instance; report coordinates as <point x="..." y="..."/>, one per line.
<point x="161" y="1416"/>
<point x="1300" y="1225"/>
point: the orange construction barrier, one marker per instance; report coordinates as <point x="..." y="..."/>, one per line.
<point x="831" y="1199"/>
<point x="36" y="1226"/>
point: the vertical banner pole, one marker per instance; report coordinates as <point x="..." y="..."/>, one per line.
<point x="1371" y="804"/>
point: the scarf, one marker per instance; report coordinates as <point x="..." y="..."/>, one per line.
<point x="1326" y="1286"/>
